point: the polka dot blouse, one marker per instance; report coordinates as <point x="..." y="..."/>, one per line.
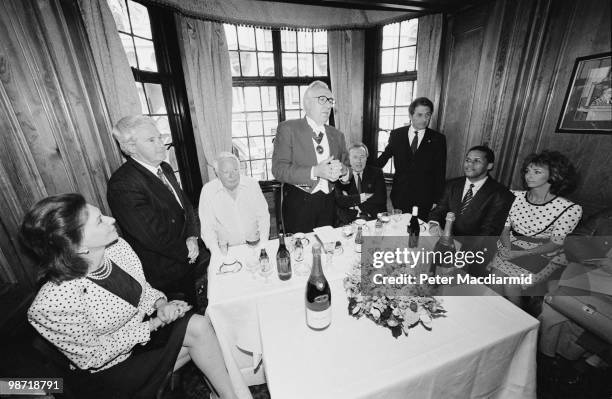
<point x="94" y="328"/>
<point x="532" y="219"/>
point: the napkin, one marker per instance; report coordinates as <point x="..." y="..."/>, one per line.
<point x="327" y="234"/>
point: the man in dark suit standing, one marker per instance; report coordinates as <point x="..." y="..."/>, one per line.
<point x="308" y="158"/>
<point x="419" y="156"/>
<point x="365" y="194"/>
<point x="480" y="204"/>
<point x="154" y="214"/>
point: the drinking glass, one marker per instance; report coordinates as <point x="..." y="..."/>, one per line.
<point x="289" y="242"/>
<point x="252" y="240"/>
<point x="265" y="268"/>
<point x="397" y="215"/>
<point x="223" y="246"/>
<point x="330" y="248"/>
<point x="252" y="265"/>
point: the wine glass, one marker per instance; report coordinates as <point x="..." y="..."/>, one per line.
<point x="252" y="265"/>
<point x="330" y="248"/>
<point x="252" y="240"/>
<point x="396" y="215"/>
<point x="289" y="242"/>
<point x="224" y="247"/>
<point x="265" y="269"/>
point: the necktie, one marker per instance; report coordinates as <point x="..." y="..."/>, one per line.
<point x="466" y="199"/>
<point x="162" y="177"/>
<point x="415" y="142"/>
<point x="358" y="183"/>
<point x="318" y="138"/>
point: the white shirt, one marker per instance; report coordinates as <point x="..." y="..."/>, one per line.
<point x="235" y="219"/>
<point x="477" y="186"/>
<point x="323" y="184"/>
<point x="411" y="135"/>
<point x="153" y="170"/>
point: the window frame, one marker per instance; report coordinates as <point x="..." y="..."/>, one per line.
<point x="374" y="79"/>
<point x="279" y="82"/>
<point x="171" y="78"/>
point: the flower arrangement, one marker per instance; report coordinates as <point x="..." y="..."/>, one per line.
<point x="398" y="309"/>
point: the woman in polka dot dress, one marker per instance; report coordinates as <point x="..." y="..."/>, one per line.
<point x="538" y="222"/>
<point x="98" y="309"/>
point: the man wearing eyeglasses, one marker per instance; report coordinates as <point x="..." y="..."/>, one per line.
<point x="309" y="156"/>
<point x="479" y="202"/>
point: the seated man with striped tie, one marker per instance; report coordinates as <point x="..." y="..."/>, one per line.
<point x="365" y="195"/>
<point x="479" y="202"/>
<point x="156" y="217"/>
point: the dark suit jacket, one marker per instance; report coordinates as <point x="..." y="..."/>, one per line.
<point x="294" y="154"/>
<point x="372" y="182"/>
<point x="419" y="178"/>
<point x="152" y="221"/>
<point x="483" y="220"/>
<point x="484" y="216"/>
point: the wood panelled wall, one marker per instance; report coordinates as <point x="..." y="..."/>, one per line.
<point x="507" y="68"/>
<point x="54" y="128"/>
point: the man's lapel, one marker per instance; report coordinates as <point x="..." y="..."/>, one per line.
<point x="305" y="137"/>
<point x="157" y="187"/>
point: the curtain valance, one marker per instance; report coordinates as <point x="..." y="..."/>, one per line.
<point x="267" y="14"/>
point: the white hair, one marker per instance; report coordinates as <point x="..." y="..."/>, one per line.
<point x="357" y="146"/>
<point x="317" y="84"/>
<point x="223" y="155"/>
<point x="124" y="130"/>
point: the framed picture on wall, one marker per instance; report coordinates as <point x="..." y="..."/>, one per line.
<point x="587" y="107"/>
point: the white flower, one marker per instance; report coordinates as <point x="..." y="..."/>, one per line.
<point x="375" y="313"/>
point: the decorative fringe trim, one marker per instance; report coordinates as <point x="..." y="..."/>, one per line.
<point x="270" y="26"/>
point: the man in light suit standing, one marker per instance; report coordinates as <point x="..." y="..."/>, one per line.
<point x="309" y="157"/>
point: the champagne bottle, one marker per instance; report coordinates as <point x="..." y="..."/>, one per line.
<point x="359" y="239"/>
<point x="413" y="228"/>
<point x="445" y="244"/>
<point x="318" y="294"/>
<point x="283" y="259"/>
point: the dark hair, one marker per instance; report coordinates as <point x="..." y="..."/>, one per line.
<point x="484" y="149"/>
<point x="420" y="101"/>
<point x="562" y="174"/>
<point x="52" y="230"/>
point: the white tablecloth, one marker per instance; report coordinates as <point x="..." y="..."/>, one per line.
<point x="484" y="348"/>
<point x="234" y="299"/>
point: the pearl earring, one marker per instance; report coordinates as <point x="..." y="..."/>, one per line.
<point x="83" y="251"/>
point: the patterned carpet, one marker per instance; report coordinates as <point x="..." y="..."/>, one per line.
<point x="557" y="379"/>
<point x="191" y="385"/>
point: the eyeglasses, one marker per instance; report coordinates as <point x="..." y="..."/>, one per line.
<point x="324" y="99"/>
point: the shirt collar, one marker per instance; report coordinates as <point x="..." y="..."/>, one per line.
<point x="313" y="125"/>
<point x="219" y="186"/>
<point x="148" y="167"/>
<point x="412" y="130"/>
<point x="477" y="184"/>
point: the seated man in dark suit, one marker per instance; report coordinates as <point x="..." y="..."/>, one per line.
<point x="366" y="194"/>
<point x="480" y="204"/>
<point x="156" y="217"/>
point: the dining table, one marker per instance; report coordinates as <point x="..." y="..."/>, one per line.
<point x="484" y="347"/>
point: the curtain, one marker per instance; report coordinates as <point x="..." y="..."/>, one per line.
<point x="116" y="79"/>
<point x="346" y="61"/>
<point x="283" y="15"/>
<point x="429" y="48"/>
<point x="208" y="79"/>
